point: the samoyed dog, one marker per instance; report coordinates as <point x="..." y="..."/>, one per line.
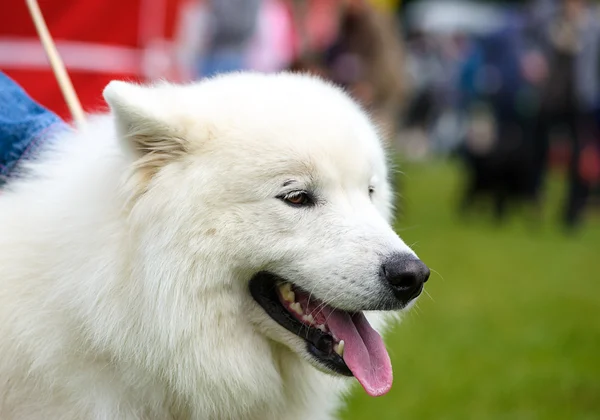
<point x="217" y="250"/>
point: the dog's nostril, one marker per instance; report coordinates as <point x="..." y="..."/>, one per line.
<point x="406" y="274"/>
<point x="404" y="280"/>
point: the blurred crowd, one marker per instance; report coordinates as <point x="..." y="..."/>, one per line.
<point x="512" y="89"/>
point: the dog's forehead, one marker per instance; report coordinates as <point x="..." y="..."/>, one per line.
<point x="289" y="123"/>
<point x="320" y="162"/>
<point x="319" y="149"/>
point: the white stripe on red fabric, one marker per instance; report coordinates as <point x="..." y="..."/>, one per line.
<point x="28" y="53"/>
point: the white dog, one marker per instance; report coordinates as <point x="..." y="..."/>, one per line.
<point x="205" y="251"/>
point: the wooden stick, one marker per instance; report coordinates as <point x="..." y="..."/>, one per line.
<point x="58" y="67"/>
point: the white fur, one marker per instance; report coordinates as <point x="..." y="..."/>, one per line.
<point x="125" y="253"/>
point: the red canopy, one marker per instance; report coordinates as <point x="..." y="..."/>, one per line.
<point x="99" y="40"/>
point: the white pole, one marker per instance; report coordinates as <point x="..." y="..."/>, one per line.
<point x="58" y="67"/>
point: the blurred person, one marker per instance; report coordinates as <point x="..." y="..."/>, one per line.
<point x="425" y="70"/>
<point x="499" y="152"/>
<point x="274" y="45"/>
<point x="317" y="24"/>
<point x="357" y="46"/>
<point x="367" y="59"/>
<point x="316" y="27"/>
<point x="98" y="40"/>
<point x="231" y="27"/>
<point x="569" y="33"/>
<point x="434" y="65"/>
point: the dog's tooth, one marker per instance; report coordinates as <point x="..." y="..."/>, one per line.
<point x="321" y="327"/>
<point x="285" y="287"/>
<point x="291" y="296"/>
<point x="287" y="293"/>
<point x="308" y="319"/>
<point x="296" y="308"/>
<point x="339" y="347"/>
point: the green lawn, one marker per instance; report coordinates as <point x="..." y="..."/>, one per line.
<point x="512" y="327"/>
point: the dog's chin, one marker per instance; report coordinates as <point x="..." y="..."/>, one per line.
<point x="333" y="340"/>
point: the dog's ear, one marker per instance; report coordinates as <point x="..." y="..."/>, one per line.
<point x="140" y="114"/>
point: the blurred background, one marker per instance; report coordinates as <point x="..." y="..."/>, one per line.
<point x="492" y="113"/>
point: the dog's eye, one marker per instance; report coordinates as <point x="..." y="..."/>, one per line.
<point x="371" y="191"/>
<point x="297" y="198"/>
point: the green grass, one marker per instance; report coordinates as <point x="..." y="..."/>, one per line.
<point x="512" y="327"/>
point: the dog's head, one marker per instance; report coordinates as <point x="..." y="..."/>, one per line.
<point x="272" y="193"/>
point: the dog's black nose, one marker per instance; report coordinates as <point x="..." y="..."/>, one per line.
<point x="406" y="274"/>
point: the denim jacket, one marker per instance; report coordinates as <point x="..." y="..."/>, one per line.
<point x="24" y="125"/>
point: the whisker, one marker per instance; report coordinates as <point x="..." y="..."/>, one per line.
<point x="311" y="293"/>
<point x="430" y="297"/>
<point x="438" y="273"/>
<point x="417" y="310"/>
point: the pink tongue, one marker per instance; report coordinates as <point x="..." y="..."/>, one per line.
<point x="364" y="351"/>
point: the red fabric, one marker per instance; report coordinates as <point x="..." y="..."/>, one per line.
<point x="103" y="21"/>
<point x="113" y="22"/>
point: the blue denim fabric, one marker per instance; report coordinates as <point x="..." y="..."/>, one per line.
<point x="24" y="125"/>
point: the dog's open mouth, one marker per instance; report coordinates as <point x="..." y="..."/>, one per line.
<point x="343" y="342"/>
